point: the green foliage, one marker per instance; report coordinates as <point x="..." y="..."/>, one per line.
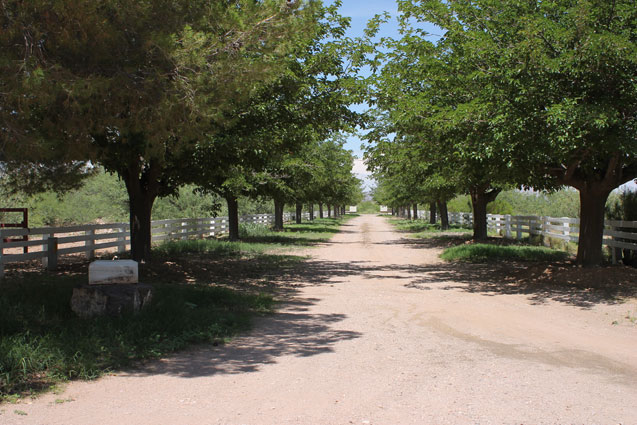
<point x="499" y="206"/>
<point x="103" y="198"/>
<point x="563" y="203"/>
<point x="135" y="88"/>
<point x="483" y="253"/>
<point x="622" y="206"/>
<point x="368" y="207"/>
<point x="42" y="341"/>
<point x="536" y="94"/>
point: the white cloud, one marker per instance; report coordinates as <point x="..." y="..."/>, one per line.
<point x="360" y="168"/>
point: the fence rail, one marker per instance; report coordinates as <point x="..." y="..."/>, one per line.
<point x="48" y="243"/>
<point x="617" y="234"/>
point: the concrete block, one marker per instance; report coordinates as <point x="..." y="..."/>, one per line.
<point x="103" y="272"/>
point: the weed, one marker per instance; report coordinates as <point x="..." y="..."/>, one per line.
<point x="20" y="412"/>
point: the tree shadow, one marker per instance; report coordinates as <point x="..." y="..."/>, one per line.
<point x="541" y="282"/>
<point x="292" y="332"/>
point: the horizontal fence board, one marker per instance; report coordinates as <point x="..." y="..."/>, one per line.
<point x="14" y="258"/>
<point x="21" y="244"/>
<point x="617" y="223"/>
<point x="620" y="234"/>
<point x="84" y="238"/>
<point x="617" y="244"/>
<point x="76" y="249"/>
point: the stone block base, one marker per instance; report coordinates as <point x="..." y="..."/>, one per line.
<point x="113" y="300"/>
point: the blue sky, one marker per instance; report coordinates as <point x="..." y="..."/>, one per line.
<point x="360" y="13"/>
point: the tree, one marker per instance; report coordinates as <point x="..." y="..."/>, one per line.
<point x="532" y="93"/>
<point x="440" y="114"/>
<point x="129" y="84"/>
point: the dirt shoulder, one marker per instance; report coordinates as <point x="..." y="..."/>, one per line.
<point x="377" y="330"/>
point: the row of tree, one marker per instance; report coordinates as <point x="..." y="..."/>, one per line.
<point x="525" y="93"/>
<point x="240" y="98"/>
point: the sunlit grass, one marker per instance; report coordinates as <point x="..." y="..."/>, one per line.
<point x="482" y="253"/>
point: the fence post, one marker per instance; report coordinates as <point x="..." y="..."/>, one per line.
<point x="616" y="253"/>
<point x="567" y="229"/>
<point x="122" y="240"/>
<point x="89" y="243"/>
<point x="518" y="228"/>
<point x="507" y="226"/>
<point x="1" y="255"/>
<point x="52" y="253"/>
<point x="45" y="246"/>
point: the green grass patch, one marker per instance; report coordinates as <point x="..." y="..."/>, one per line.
<point x="482" y="253"/>
<point x="42" y="342"/>
<point x="423" y="229"/>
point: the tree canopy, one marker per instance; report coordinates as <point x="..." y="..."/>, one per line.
<point x="536" y="94"/>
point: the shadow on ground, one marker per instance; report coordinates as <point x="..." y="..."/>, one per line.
<point x="540" y="281"/>
<point x="293" y="332"/>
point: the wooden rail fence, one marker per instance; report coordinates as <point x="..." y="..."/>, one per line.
<point x="48" y="243"/>
<point x="617" y="234"/>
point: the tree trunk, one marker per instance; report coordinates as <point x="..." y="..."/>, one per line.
<point x="480" y="197"/>
<point x="320" y="210"/>
<point x="415" y="215"/>
<point x="444" y="215"/>
<point x="408" y="208"/>
<point x="278" y="214"/>
<point x="142" y="187"/>
<point x="310" y="209"/>
<point x="299" y="212"/>
<point x="233" y="217"/>
<point x="591" y="230"/>
<point x="329" y="210"/>
<point x="432" y="213"/>
<point x="594" y="191"/>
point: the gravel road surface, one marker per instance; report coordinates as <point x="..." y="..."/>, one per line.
<point x="380" y="331"/>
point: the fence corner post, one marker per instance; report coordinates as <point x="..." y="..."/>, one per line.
<point x="52" y="253"/>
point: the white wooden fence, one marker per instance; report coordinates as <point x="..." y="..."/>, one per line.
<point x="617" y="234"/>
<point x="48" y="243"/>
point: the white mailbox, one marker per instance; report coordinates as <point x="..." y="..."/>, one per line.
<point x="103" y="272"/>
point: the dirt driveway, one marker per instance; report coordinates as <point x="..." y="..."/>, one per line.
<point x="379" y="331"/>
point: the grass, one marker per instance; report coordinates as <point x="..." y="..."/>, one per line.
<point x="200" y="297"/>
<point x="482" y="253"/>
<point x="42" y="342"/>
<point x="423" y="229"/>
